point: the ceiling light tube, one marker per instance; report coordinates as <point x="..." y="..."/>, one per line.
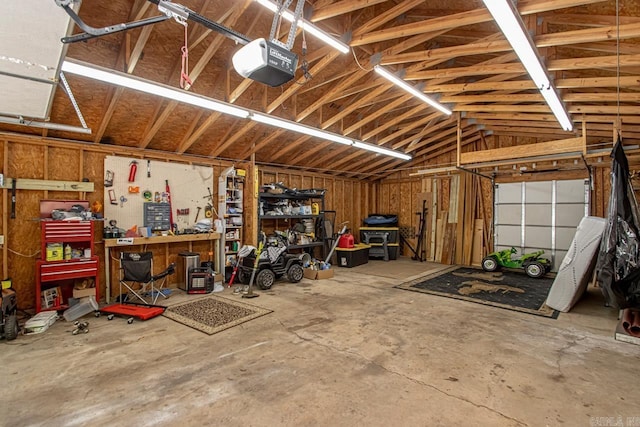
<point x="300" y="128"/>
<point x="508" y="19"/>
<point x="412" y="90"/>
<point x="554" y="102"/>
<point x="308" y="27"/>
<point x="131" y="82"/>
<point x="381" y="150"/>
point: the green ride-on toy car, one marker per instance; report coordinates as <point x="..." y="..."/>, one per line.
<point x="534" y="265"/>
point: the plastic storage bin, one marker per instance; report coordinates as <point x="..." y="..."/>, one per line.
<point x="83" y="308"/>
<point x="353" y="257"/>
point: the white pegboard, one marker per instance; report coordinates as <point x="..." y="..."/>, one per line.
<point x="189" y="186"/>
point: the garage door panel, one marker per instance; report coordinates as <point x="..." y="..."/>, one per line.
<point x="564" y="237"/>
<point x="570" y="191"/>
<point x="538" y="192"/>
<point x="537" y="214"/>
<point x="538" y="237"/>
<point x="509" y="214"/>
<point x="569" y="215"/>
<point x="508" y="235"/>
<point x="510" y="193"/>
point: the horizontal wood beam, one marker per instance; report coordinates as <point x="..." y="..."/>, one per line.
<point x="48" y="185"/>
<point x="461" y="19"/>
<point x="571" y="145"/>
<point x="341" y="8"/>
<point x="572" y="83"/>
<point x="611" y="61"/>
<point x="545" y="40"/>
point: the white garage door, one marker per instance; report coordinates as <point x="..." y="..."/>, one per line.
<point x="540" y="215"/>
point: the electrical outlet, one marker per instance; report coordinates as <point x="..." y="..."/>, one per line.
<point x="1" y="239"/>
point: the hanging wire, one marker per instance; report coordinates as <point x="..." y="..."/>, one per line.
<point x="353" y="52"/>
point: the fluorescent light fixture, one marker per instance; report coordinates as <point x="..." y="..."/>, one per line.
<point x="508" y="19"/>
<point x="135" y="83"/>
<point x="412" y="90"/>
<point x="329" y="136"/>
<point x="300" y="128"/>
<point x="308" y="27"/>
<point x="131" y="82"/>
<point x="381" y="150"/>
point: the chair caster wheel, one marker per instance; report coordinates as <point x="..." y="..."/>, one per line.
<point x="130" y="320"/>
<point x="97" y="314"/>
<point x="110" y="317"/>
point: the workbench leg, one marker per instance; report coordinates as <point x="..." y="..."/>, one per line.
<point x="107" y="273"/>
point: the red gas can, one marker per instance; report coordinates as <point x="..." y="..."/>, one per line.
<point x="346" y="241"/>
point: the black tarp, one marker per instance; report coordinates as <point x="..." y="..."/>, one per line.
<point x="618" y="264"/>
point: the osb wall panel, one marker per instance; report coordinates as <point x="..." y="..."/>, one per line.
<point x="22" y="234"/>
<point x="398" y="195"/>
<point x="344" y="196"/>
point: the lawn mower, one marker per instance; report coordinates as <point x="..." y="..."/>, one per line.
<point x="533" y="264"/>
<point x="9" y="315"/>
<point x="273" y="263"/>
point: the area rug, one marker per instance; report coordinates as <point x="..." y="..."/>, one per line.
<point x="504" y="289"/>
<point x="213" y="313"/>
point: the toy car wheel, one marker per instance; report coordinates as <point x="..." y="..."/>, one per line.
<point x="265" y="279"/>
<point x="295" y="273"/>
<point x="490" y="263"/>
<point x="535" y="270"/>
<point x="11" y="327"/>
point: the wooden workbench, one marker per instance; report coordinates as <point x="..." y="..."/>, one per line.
<point x="155" y="240"/>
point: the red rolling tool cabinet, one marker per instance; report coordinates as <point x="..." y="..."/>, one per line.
<point x="79" y="235"/>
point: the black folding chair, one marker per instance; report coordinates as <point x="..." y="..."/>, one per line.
<point x="136" y="275"/>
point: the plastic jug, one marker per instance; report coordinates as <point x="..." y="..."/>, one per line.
<point x="346" y="241"/>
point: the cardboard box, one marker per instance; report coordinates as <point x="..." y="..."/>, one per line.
<point x="81" y="293"/>
<point x="318" y="274"/>
<point x="54" y="252"/>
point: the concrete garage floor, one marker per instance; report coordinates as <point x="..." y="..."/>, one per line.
<point x="341" y="352"/>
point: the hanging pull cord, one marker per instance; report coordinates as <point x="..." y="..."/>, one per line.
<point x="185" y="81"/>
<point x="305" y="64"/>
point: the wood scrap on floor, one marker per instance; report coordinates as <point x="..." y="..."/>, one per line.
<point x="476" y="286"/>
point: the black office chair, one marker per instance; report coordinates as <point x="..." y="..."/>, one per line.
<point x="136" y="275"/>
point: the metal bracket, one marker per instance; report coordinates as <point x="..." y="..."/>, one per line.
<point x="170" y="10"/>
<point x="67" y="89"/>
<point x="277" y="18"/>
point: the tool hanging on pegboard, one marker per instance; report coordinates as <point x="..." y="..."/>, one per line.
<point x="108" y="178"/>
<point x="133" y="169"/>
<point x="208" y="209"/>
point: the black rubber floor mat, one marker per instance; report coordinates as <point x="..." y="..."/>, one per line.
<point x="503" y="289"/>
